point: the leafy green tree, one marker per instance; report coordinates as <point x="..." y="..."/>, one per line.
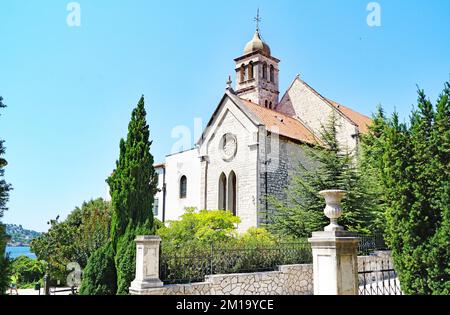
<point x="5" y="188"/>
<point x="332" y="167"/>
<point x="73" y="240"/>
<point x="196" y="228"/>
<point x="413" y="163"/>
<point x="27" y="271"/>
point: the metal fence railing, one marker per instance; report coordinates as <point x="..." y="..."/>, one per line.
<point x="193" y="266"/>
<point x="186" y="266"/>
<point x="370" y="243"/>
<point x="378" y="278"/>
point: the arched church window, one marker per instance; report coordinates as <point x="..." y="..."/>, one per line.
<point x="270" y="105"/>
<point x="183" y="187"/>
<point x="232" y="193"/>
<point x="222" y="192"/>
<point x="265" y="103"/>
<point x="250" y="70"/>
<point x="272" y="74"/>
<point x="264" y="71"/>
<point x="242" y="73"/>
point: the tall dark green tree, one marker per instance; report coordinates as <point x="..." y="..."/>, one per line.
<point x="413" y="163"/>
<point x="132" y="186"/>
<point x="5" y="188"/>
<point x="328" y="167"/>
<point x="371" y="165"/>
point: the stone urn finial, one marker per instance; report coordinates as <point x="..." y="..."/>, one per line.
<point x="333" y="208"/>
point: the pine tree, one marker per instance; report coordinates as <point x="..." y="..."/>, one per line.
<point x="332" y="167"/>
<point x="5" y="188"/>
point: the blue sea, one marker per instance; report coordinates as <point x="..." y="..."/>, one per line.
<point x="15" y="252"/>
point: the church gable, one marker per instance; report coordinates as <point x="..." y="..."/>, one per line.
<point x="237" y="118"/>
<point x="304" y="103"/>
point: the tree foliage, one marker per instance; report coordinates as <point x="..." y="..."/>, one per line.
<point x="5" y="188"/>
<point x="200" y="227"/>
<point x="133" y="182"/>
<point x="199" y="230"/>
<point x="99" y="276"/>
<point x="413" y="163"/>
<point x="74" y="239"/>
<point x="332" y="167"/>
<point x="133" y="185"/>
<point x="27" y="271"/>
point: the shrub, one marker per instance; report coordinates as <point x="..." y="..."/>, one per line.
<point x="27" y="270"/>
<point x="99" y="276"/>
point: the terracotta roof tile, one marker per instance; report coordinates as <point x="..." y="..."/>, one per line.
<point x="281" y="124"/>
<point x="360" y="120"/>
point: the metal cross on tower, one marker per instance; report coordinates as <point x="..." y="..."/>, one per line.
<point x="257" y="19"/>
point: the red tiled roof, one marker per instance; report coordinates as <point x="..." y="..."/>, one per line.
<point x="360" y="120"/>
<point x="281" y="124"/>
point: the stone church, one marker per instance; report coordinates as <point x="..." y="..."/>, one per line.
<point x="252" y="143"/>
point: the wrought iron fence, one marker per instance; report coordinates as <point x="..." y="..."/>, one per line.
<point x="194" y="265"/>
<point x="370" y="243"/>
<point x="378" y="278"/>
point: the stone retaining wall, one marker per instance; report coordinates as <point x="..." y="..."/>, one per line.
<point x="287" y="280"/>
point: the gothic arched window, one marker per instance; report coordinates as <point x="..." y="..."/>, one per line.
<point x="250" y="70"/>
<point x="264" y="71"/>
<point x="183" y="187"/>
<point x="222" y="192"/>
<point x="265" y="103"/>
<point x="270" y="105"/>
<point x="232" y="193"/>
<point x="242" y="72"/>
<point x="272" y="74"/>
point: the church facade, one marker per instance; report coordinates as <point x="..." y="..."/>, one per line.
<point x="252" y="143"/>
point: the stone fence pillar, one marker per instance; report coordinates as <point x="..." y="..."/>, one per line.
<point x="147" y="264"/>
<point x="335" y="261"/>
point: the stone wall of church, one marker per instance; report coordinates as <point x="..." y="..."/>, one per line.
<point x="287" y="280"/>
<point x="283" y="158"/>
<point x="187" y="164"/>
<point x="302" y="102"/>
<point x="243" y="164"/>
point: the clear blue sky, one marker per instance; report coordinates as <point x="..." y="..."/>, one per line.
<point x="70" y="90"/>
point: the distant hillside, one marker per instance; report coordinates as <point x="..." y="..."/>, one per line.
<point x="19" y="235"/>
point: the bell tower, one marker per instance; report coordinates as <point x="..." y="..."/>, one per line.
<point x="257" y="72"/>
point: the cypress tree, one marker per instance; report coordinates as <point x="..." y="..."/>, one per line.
<point x="110" y="269"/>
<point x="371" y="165"/>
<point x="132" y="187"/>
<point x="414" y="172"/>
